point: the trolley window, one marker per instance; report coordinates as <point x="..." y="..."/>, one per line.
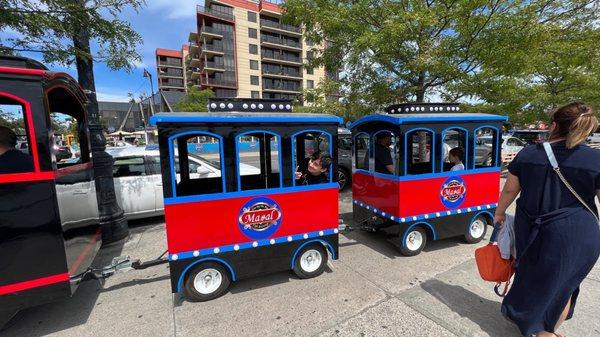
<point x="385" y="152"/>
<point x="362" y="143"/>
<point x="15" y="156"/>
<point x="312" y="158"/>
<point x="259" y="160"/>
<point x="486" y="147"/>
<point x="419" y="150"/>
<point x="454" y="150"/>
<point x="196" y="160"/>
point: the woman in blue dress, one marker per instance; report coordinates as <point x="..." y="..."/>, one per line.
<point x="557" y="238"/>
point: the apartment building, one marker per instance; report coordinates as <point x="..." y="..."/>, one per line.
<point x="242" y="49"/>
<point x="170" y="70"/>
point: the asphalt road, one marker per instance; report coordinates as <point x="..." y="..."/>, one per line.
<point x="371" y="291"/>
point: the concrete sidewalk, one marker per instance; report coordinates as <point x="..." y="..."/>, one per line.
<point x="371" y="291"/>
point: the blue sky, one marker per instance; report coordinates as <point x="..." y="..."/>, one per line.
<point x="162" y="24"/>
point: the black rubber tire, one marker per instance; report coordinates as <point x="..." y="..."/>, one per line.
<point x="407" y="252"/>
<point x="5" y="317"/>
<point x="193" y="295"/>
<point x="469" y="238"/>
<point x="346" y="175"/>
<point x="301" y="273"/>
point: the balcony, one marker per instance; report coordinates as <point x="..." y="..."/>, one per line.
<point x="280" y="27"/>
<point x="267" y="40"/>
<point x="211" y="49"/>
<point x="194" y="47"/>
<point x="212" y="66"/>
<point x="282" y="87"/>
<point x="169" y="73"/>
<point x="172" y="84"/>
<point x="280" y="58"/>
<point x="194" y="60"/>
<point x="193" y="73"/>
<point x="170" y="64"/>
<point x="210" y="32"/>
<point x="281" y="73"/>
<point x="215" y="13"/>
<point x="217" y="82"/>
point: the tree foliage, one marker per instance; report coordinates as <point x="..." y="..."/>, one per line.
<point x="518" y="57"/>
<point x="195" y="100"/>
<point x="48" y="27"/>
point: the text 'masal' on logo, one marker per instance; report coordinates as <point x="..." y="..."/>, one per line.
<point x="259" y="218"/>
<point x="453" y="192"/>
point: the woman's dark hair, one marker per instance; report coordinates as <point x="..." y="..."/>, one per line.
<point x="324" y="157"/>
<point x="458" y="152"/>
<point x="8" y="138"/>
<point x="574" y="122"/>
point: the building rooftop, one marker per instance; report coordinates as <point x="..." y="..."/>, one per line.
<point x="168" y="52"/>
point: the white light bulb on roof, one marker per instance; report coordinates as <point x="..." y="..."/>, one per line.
<point x="245" y="106"/>
<point x="222" y="105"/>
<point x="288" y="107"/>
<point x="412" y="108"/>
<point x="260" y="106"/>
<point x="448" y="108"/>
<point x="213" y="105"/>
<point x="457" y="108"/>
<point x="253" y="106"/>
<point x="280" y="106"/>
<point x="406" y="109"/>
<point x="393" y="111"/>
<point x="273" y="106"/>
<point x="230" y="106"/>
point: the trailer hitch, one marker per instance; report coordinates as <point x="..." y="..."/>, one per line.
<point x="120" y="264"/>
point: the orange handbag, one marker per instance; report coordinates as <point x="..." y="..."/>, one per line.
<point x="492" y="267"/>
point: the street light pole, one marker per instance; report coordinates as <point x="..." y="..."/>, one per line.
<point x="149" y="76"/>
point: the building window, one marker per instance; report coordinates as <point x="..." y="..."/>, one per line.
<point x="310" y="71"/>
<point x="254" y="80"/>
<point x="310" y="84"/>
<point x="310" y="55"/>
<point x="252" y="33"/>
<point x="253" y="64"/>
<point x="255" y="94"/>
<point x="251" y="16"/>
<point x="253" y="49"/>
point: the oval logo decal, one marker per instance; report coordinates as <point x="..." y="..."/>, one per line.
<point x="259" y="218"/>
<point x="453" y="192"/>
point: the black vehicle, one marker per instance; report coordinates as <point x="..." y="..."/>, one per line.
<point x="531" y="137"/>
<point x="49" y="223"/>
<point x="62" y="152"/>
<point x="344" y="158"/>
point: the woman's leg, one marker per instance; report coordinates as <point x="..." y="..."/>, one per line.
<point x="564" y="315"/>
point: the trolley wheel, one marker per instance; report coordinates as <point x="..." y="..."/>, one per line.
<point x="206" y="281"/>
<point x="343" y="178"/>
<point x="414" y="242"/>
<point x="477" y="229"/>
<point x="310" y="261"/>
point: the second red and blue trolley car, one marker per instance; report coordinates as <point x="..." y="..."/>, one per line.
<point x="246" y="214"/>
<point x="405" y="184"/>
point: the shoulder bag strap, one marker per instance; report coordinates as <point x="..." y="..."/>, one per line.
<point x="556" y="169"/>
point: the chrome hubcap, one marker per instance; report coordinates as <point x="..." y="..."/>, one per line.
<point x="414" y="240"/>
<point x="341" y="179"/>
<point x="477" y="228"/>
<point x="311" y="260"/>
<point x="208" y="281"/>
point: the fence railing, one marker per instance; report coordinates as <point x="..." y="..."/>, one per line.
<point x="217" y="13"/>
<point x="282" y="26"/>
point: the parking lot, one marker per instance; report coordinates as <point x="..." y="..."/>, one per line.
<point x="371" y="291"/>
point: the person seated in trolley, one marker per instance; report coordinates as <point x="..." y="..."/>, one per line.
<point x="383" y="156"/>
<point x="11" y="159"/>
<point x="455" y="156"/>
<point x="313" y="170"/>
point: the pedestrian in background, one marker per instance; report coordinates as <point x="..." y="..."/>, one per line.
<point x="560" y="255"/>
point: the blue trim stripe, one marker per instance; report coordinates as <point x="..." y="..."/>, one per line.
<point x="249" y="193"/>
<point x="208" y="118"/>
<point x="428" y="175"/>
<point x="439" y="214"/>
<point x="429" y="118"/>
<point x="249" y="245"/>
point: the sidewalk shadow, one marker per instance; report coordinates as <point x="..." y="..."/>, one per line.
<point x="54" y="317"/>
<point x="377" y="241"/>
<point x="481" y="311"/>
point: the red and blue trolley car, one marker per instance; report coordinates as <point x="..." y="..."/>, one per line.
<point x="407" y="183"/>
<point x="246" y="214"/>
<point x="49" y="222"/>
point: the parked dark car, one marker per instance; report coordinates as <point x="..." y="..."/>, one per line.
<point x="62" y="152"/>
<point x="531" y="137"/>
<point x="344" y="157"/>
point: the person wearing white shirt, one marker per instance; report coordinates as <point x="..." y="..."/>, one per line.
<point x="456" y="156"/>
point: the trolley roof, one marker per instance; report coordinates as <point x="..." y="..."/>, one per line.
<point x="398" y="119"/>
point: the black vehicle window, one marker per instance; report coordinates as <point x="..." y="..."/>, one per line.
<point x="362" y="144"/>
<point x="14" y="138"/>
<point x="486" y="147"/>
<point x="129" y="167"/>
<point x="312" y="158"/>
<point x="384" y="152"/>
<point x="197" y="162"/>
<point x="344" y="142"/>
<point x="454" y="150"/>
<point x="259" y="161"/>
<point x="419" y="147"/>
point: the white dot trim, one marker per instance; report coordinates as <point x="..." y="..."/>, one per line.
<point x="196" y="253"/>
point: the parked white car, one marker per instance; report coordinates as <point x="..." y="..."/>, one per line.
<point x="138" y="180"/>
<point x="509" y="144"/>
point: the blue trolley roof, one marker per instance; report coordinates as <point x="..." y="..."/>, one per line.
<point x="398" y="119"/>
<point x="244" y="117"/>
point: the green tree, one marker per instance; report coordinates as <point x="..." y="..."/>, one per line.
<point x="398" y="51"/>
<point x="195" y="100"/>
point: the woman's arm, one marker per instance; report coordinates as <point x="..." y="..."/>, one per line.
<point x="509" y="194"/>
<point x="598" y="194"/>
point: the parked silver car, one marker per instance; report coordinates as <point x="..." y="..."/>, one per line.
<point x="138" y="180"/>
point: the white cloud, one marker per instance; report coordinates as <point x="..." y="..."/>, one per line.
<point x="174" y="9"/>
<point x="139" y="64"/>
<point x="111" y="95"/>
